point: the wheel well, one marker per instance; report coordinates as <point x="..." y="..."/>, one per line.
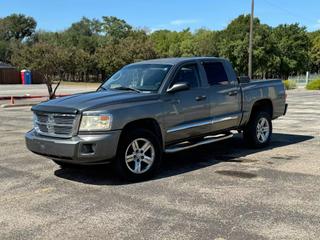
<point x="264" y="105"/>
<point x="146" y="123"/>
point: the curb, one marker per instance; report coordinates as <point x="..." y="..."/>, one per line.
<point x="28" y="97"/>
<point x="18" y="105"/>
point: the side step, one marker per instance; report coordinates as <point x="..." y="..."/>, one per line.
<point x="186" y="145"/>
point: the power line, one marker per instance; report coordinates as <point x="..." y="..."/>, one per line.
<point x="293" y="14"/>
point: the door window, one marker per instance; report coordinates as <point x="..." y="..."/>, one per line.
<point x="215" y="72"/>
<point x="188" y="74"/>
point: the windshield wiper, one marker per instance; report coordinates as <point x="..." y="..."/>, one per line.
<point x="127" y="88"/>
<point x="103" y="88"/>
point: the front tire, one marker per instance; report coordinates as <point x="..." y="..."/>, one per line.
<point x="258" y="131"/>
<point x="139" y="155"/>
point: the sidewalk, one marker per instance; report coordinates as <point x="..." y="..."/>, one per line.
<point x="28" y="95"/>
<point x="19" y="90"/>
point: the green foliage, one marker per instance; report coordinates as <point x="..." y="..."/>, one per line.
<point x="17" y="26"/>
<point x="293" y="49"/>
<point x="206" y="43"/>
<point x="173" y="44"/>
<point x="315" y="53"/>
<point x="44" y="58"/>
<point x="116" y="28"/>
<point x="314" y="85"/>
<point x="289" y="84"/>
<point x="91" y="49"/>
<point x="137" y="46"/>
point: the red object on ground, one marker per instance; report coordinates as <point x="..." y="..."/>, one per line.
<point x="22" y="78"/>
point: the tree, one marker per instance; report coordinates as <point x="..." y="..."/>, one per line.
<point x="293" y="45"/>
<point x="98" y="47"/>
<point x="43" y="58"/>
<point x="206" y="42"/>
<point x="265" y="53"/>
<point x="234" y="42"/>
<point x="16" y="26"/>
<point x="172" y="43"/>
<point x="115" y="28"/>
<point x="137" y="46"/>
<point x="315" y="54"/>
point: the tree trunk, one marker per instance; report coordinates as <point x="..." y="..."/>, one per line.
<point x="51" y="91"/>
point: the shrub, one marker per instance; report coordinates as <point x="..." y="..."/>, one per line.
<point x="314" y="85"/>
<point x="289" y="84"/>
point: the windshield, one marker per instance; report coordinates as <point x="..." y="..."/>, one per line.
<point x="140" y="77"/>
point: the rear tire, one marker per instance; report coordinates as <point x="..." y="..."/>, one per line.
<point x="258" y="131"/>
<point x="139" y="155"/>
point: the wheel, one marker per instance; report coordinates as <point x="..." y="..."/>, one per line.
<point x="258" y="131"/>
<point x="139" y="155"/>
<point x="63" y="164"/>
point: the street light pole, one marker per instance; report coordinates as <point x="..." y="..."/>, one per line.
<point x="251" y="40"/>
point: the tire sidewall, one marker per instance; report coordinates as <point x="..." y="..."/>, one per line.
<point x="120" y="163"/>
<point x="250" y="132"/>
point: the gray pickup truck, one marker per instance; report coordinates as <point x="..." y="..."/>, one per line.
<point x="154" y="107"/>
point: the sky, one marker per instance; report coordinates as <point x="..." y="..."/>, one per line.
<point x="57" y="15"/>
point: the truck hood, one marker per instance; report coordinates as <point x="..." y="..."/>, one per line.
<point x="92" y="100"/>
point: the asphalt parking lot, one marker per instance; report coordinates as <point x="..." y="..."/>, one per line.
<point x="220" y="191"/>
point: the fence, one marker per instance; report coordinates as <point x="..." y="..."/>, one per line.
<point x="13" y="76"/>
<point x="302" y="80"/>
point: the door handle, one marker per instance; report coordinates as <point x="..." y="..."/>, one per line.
<point x="233" y="93"/>
<point x="201" y="98"/>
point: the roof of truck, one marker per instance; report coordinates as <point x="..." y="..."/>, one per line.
<point x="173" y="61"/>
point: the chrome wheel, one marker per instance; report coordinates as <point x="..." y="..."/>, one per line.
<point x="263" y="130"/>
<point x="140" y="155"/>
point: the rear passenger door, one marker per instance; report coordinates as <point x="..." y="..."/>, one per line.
<point x="225" y="95"/>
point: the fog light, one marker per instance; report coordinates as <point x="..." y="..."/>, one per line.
<point x="87" y="149"/>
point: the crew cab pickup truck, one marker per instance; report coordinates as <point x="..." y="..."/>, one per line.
<point x="154" y="107"/>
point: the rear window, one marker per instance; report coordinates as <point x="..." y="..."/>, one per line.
<point x="215" y="72"/>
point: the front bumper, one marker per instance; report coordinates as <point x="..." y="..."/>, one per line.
<point x="103" y="147"/>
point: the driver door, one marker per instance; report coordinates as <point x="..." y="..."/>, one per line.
<point x="188" y="110"/>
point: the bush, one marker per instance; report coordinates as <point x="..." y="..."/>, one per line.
<point x="314" y="85"/>
<point x="289" y="84"/>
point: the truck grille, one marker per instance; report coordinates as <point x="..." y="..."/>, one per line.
<point x="55" y="124"/>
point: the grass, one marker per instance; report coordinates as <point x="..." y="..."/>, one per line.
<point x="314" y="85"/>
<point x="289" y="84"/>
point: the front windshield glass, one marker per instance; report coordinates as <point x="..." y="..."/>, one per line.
<point x="140" y="77"/>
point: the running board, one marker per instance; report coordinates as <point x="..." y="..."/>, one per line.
<point x="186" y="145"/>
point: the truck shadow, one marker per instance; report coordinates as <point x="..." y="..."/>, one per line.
<point x="231" y="150"/>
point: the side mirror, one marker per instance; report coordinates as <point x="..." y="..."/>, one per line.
<point x="243" y="79"/>
<point x="178" y="87"/>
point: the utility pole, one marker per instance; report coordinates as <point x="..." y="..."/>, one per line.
<point x="251" y="40"/>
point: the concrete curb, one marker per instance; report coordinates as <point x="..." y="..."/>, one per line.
<point x="28" y="97"/>
<point x="18" y="105"/>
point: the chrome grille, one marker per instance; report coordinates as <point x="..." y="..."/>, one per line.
<point x="55" y="124"/>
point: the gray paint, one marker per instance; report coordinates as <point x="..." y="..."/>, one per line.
<point x="178" y="114"/>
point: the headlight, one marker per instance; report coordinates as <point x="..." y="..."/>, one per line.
<point x="34" y="121"/>
<point x="95" y="122"/>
